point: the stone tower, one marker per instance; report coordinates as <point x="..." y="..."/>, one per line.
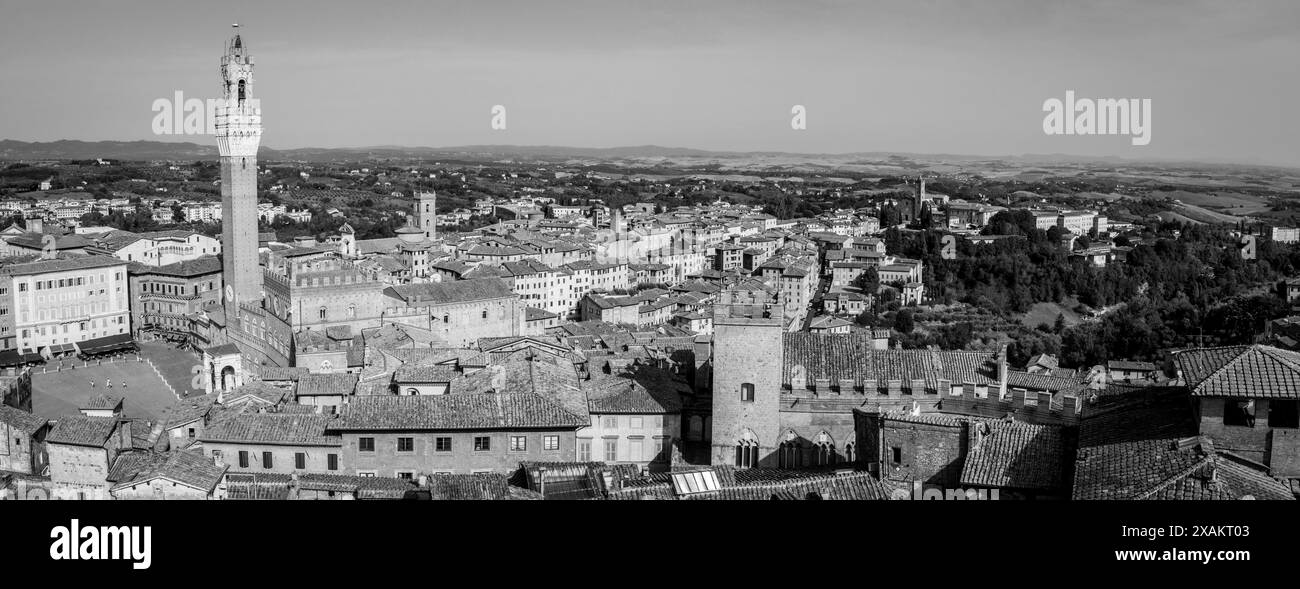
<point x="347" y="241"/>
<point x="748" y="355"/>
<point x="427" y="212"/>
<point x="239" y="130"/>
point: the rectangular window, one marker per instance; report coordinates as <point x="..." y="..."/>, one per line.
<point x="636" y="449"/>
<point x="366" y="444"/>
<point x="610" y="422"/>
<point x="442" y="444"/>
<point x="216" y="455"/>
<point x="405" y="475"/>
<point x="584" y="450"/>
<point x="405" y="444"/>
<point x="636" y="422"/>
<point x="550" y="443"/>
<point x="482" y="443"/>
<point x="243" y="459"/>
<point x="1283" y="413"/>
<point x="266" y="460"/>
<point x="1240" y="413"/>
<point x="897" y="455"/>
<point x="747" y="392"/>
<point x="333" y="462"/>
<point x="300" y="460"/>
<point x="518" y="443"/>
<point x="611" y="450"/>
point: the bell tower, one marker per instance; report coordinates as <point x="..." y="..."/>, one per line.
<point x="427" y="213"/>
<point x="239" y="131"/>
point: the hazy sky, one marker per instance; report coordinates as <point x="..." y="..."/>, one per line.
<point x="908" y="76"/>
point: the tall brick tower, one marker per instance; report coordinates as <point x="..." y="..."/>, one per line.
<point x="748" y="350"/>
<point x="427" y="212"/>
<point x="239" y="130"/>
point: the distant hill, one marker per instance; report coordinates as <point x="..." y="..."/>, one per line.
<point x="642" y="154"/>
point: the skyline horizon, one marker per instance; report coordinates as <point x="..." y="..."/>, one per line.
<point x="1075" y="157"/>
<point x="884" y="77"/>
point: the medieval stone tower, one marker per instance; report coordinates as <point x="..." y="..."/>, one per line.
<point x="239" y="130"/>
<point x="427" y="213"/>
<point x="748" y="349"/>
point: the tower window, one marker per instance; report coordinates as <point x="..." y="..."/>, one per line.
<point x="241" y="90"/>
<point x="747" y="392"/>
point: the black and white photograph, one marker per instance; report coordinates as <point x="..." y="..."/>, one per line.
<point x="1034" y="261"/>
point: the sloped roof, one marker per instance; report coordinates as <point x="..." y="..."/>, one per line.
<point x="464" y="411"/>
<point x="20" y="420"/>
<point x="186" y="467"/>
<point x="289" y="429"/>
<point x="1257" y="371"/>
<point x="326" y="384"/>
<point x="1170" y="469"/>
<point x="79" y="430"/>
<point x="852" y="356"/>
<point x="450" y="292"/>
<point x="1015" y="455"/>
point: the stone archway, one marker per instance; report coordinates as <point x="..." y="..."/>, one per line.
<point x="228" y="379"/>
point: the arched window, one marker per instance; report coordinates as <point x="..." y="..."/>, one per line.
<point x="485" y="313"/>
<point x="747" y="392"/>
<point x="322" y="312"/>
<point x="850" y="452"/>
<point x="352" y="311"/>
<point x="747" y="450"/>
<point x="241" y="90"/>
<point x="413" y="391"/>
<point x="446" y="318"/>
<point x="824" y="450"/>
<point x="789" y="454"/>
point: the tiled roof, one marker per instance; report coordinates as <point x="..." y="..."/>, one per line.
<point x="852" y="356"/>
<point x="765" y="484"/>
<point x="471" y="487"/>
<point x="1015" y="455"/>
<point x="1170" y="469"/>
<point x="462" y="411"/>
<point x="271" y="373"/>
<point x="1042" y="382"/>
<point x="102" y="401"/>
<point x="187" y="410"/>
<point x="79" y="430"/>
<point x="451" y="292"/>
<point x="187" y="268"/>
<point x="20" y="420"/>
<point x="1141" y="414"/>
<point x="419" y="373"/>
<point x="290" y="429"/>
<point x="1259" y="372"/>
<point x="310" y="385"/>
<point x="185" y="467"/>
<point x="647" y="391"/>
<point x="63" y="264"/>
